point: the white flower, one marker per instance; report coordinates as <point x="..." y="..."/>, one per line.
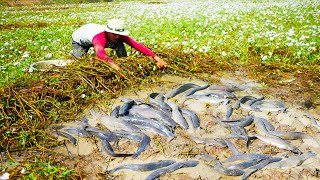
<point x="83" y="96"/>
<point x="5" y="176"/>
<point x="184" y="43"/>
<point x="290" y="32"/>
<point x="250" y="40"/>
<point x="223" y="53"/>
<point x="311" y="49"/>
<point x="49" y="55"/>
<point x="23" y="170"/>
<point x="17" y="63"/>
<point x="264" y="58"/>
<point x="6" y="44"/>
<point x="25" y="54"/>
<point x="298" y="53"/>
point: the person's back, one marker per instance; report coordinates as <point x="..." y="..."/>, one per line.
<point x="85" y="33"/>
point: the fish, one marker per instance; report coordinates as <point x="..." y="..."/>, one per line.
<point x="148" y="112"/>
<point x="149" y="124"/>
<point x="171" y="168"/>
<point x="84" y="123"/>
<point x="259" y="166"/>
<point x="250" y="102"/>
<point x="244" y="165"/>
<point x="113" y="123"/>
<point x="158" y="99"/>
<point x="143" y="167"/>
<point x="229" y="112"/>
<point x="239" y="132"/>
<point x="216" y="93"/>
<point x="255" y="168"/>
<point x="278" y="142"/>
<point x="315" y="123"/>
<point x="103" y="135"/>
<point x="220" y="168"/>
<point x="292" y="161"/>
<point x="209" y="141"/>
<point x="107" y="148"/>
<point x="267" y="124"/>
<point x="245" y="157"/>
<point x="294" y="135"/>
<point x="139" y="137"/>
<point x="115" y="111"/>
<point x="260" y="126"/>
<point x="272" y="106"/>
<point x="144" y="144"/>
<point x="194" y="118"/>
<point x="195" y="89"/>
<point x="68" y="136"/>
<point x="124" y="109"/>
<point x="78" y="131"/>
<point x="231" y="146"/>
<point x="177" y="115"/>
<point x="180" y="89"/>
<point x="242" y="102"/>
<point x="242" y="122"/>
<point x="209" y="99"/>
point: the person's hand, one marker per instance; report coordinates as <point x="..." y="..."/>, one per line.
<point x="114" y="65"/>
<point x="160" y="63"/>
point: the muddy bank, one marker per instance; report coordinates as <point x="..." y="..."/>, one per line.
<point x="95" y="162"/>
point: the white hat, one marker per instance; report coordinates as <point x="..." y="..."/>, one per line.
<point x="116" y="26"/>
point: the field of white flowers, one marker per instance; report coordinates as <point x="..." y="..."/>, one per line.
<point x="278" y="30"/>
<point x="262" y="35"/>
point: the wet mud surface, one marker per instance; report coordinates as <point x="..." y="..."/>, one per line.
<point x="88" y="154"/>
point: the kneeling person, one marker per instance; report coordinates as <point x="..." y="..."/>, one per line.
<point x="113" y="35"/>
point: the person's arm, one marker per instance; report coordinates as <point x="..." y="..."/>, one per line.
<point x="144" y="50"/>
<point x="99" y="41"/>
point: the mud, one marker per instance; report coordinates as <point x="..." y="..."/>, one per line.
<point x="95" y="162"/>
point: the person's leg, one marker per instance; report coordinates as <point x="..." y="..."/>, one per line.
<point x="121" y="50"/>
<point x="79" y="51"/>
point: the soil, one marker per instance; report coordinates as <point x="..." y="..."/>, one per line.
<point x="87" y="154"/>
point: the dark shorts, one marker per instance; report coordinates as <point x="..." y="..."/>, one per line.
<point x="79" y="50"/>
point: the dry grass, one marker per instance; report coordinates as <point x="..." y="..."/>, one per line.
<point x="37" y="100"/>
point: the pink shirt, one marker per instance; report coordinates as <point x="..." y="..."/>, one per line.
<point x="99" y="42"/>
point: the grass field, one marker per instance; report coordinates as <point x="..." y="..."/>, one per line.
<point x="280" y="36"/>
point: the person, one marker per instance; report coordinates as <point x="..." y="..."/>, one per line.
<point x="113" y="35"/>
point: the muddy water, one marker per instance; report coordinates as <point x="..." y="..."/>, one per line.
<point x="95" y="161"/>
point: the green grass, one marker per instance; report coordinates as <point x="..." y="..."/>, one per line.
<point x="279" y="35"/>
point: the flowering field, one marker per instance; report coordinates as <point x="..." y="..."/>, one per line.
<point x="274" y="31"/>
<point x="281" y="35"/>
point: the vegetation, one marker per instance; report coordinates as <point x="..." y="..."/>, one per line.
<point x="267" y="39"/>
